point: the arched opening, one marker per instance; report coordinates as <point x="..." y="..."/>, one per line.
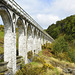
<point x="21" y="38"/>
<point x="39" y="41"/>
<point x="29" y="38"/>
<point x="35" y="41"/>
<point x="42" y="40"/>
<point x="1" y="40"/>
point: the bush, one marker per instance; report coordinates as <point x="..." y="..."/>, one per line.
<point x="2" y="28"/>
<point x="64" y="56"/>
<point x="29" y="54"/>
<point x="38" y="59"/>
<point x="19" y="72"/>
<point x="73" y="43"/>
<point x="44" y="46"/>
<point x="47" y="52"/>
<point x="45" y="66"/>
<point x="29" y="70"/>
<point x="68" y="38"/>
<point x="60" y="45"/>
<point x="47" y="46"/>
<point x="71" y="55"/>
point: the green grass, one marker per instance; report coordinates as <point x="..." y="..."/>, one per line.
<point x="1" y="34"/>
<point x="36" y="64"/>
<point x="1" y="42"/>
<point x="1" y="50"/>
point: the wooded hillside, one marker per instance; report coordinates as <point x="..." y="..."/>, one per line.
<point x="65" y="26"/>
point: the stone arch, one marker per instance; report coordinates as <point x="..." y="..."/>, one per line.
<point x="35" y="33"/>
<point x="21" y="37"/>
<point x="35" y="40"/>
<point x="39" y="40"/>
<point x="9" y="39"/>
<point x="42" y="38"/>
<point x="19" y="22"/>
<point x="29" y="30"/>
<point x="29" y="37"/>
<point x="5" y="14"/>
<point x="38" y="34"/>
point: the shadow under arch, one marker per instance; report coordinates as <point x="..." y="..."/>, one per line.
<point x="6" y="17"/>
<point x="39" y="41"/>
<point x="35" y="33"/>
<point x="29" y="31"/>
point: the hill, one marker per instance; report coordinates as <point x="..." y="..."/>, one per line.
<point x="64" y="34"/>
<point x="65" y="26"/>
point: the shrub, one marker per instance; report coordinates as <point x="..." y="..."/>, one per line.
<point x="44" y="46"/>
<point x="22" y="62"/>
<point x="29" y="70"/>
<point x="45" y="66"/>
<point x="60" y="45"/>
<point x="71" y="55"/>
<point x="47" y="52"/>
<point x="29" y="54"/>
<point x="38" y="59"/>
<point x="19" y="72"/>
<point x="64" y="56"/>
<point x="47" y="46"/>
<point x="73" y="43"/>
<point x="68" y="37"/>
<point x="2" y="28"/>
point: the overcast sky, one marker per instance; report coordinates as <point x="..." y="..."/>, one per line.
<point x="46" y="12"/>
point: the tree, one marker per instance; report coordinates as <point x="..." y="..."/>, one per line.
<point x="60" y="45"/>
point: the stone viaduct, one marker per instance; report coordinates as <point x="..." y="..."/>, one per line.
<point x="31" y="34"/>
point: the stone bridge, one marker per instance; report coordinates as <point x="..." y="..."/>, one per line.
<point x="31" y="34"/>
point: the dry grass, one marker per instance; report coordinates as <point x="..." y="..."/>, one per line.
<point x="58" y="70"/>
<point x="36" y="64"/>
<point x="64" y="63"/>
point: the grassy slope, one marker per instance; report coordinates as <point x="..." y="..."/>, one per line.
<point x="50" y="60"/>
<point x="1" y="42"/>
